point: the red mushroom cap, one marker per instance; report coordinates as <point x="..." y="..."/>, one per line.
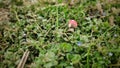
<point x="72" y="24"/>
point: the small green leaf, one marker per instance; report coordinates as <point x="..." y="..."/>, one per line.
<point x="69" y="56"/>
<point x="69" y="67"/>
<point x="50" y="64"/>
<point x="50" y="56"/>
<point x="66" y="47"/>
<point x="76" y="58"/>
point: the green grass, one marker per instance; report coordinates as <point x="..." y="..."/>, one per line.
<point x="44" y="32"/>
<point x="57" y="16"/>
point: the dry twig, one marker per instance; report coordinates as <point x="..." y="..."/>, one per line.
<point x="24" y="59"/>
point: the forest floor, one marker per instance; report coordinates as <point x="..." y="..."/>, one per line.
<point x="36" y="34"/>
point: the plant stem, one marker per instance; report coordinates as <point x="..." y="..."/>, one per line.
<point x="57" y="16"/>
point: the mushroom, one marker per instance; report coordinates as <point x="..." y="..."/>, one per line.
<point x="72" y="24"/>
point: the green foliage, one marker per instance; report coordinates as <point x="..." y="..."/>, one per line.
<point x="65" y="47"/>
<point x="43" y="30"/>
<point x="74" y="58"/>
